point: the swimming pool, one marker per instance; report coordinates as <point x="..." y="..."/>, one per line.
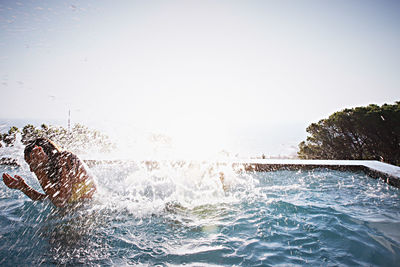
<point x="178" y="215"/>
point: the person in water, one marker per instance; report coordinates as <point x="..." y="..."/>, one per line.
<point x="62" y="175"/>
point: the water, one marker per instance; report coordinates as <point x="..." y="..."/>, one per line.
<point x="181" y="215"/>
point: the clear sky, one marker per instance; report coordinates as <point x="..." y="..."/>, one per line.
<point x="245" y="76"/>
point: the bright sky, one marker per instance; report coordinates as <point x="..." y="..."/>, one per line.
<point x="245" y="76"/>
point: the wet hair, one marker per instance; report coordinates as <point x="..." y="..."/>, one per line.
<point x="53" y="168"/>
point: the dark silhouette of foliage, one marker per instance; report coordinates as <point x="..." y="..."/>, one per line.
<point x="29" y="132"/>
<point x="369" y="133"/>
<point x="79" y="139"/>
<point x="9" y="138"/>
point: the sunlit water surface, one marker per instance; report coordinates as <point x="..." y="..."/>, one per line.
<point x="181" y="215"/>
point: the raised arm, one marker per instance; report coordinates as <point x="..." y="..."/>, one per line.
<point x="17" y="182"/>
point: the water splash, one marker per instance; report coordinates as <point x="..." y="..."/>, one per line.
<point x="142" y="190"/>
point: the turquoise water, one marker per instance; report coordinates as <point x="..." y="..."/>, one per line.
<point x="181" y="215"/>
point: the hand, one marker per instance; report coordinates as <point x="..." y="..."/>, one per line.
<point x="16" y="182"/>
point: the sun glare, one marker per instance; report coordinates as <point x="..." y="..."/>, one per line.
<point x="196" y="127"/>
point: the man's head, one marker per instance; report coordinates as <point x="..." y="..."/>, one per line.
<point x="39" y="152"/>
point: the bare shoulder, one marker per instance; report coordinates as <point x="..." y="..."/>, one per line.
<point x="73" y="168"/>
<point x="70" y="158"/>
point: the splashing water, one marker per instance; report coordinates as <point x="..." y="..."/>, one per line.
<point x="175" y="213"/>
<point x="142" y="189"/>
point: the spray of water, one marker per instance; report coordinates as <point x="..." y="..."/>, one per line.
<point x="134" y="194"/>
<point x="147" y="187"/>
<point x="142" y="189"/>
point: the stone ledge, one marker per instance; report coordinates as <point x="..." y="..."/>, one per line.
<point x="389" y="173"/>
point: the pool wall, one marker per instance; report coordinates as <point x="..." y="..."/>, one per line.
<point x="389" y="173"/>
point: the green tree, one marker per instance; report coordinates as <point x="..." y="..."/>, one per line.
<point x="10" y="137"/>
<point x="29" y="133"/>
<point x="80" y="139"/>
<point x="371" y="132"/>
